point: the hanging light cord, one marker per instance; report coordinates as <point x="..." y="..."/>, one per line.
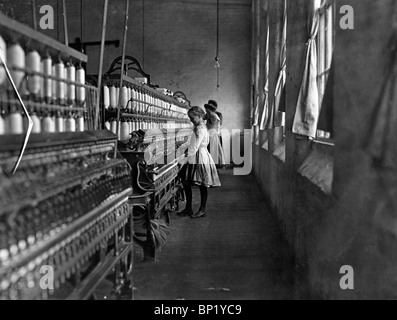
<point x="81" y="25"/>
<point x="143" y="34"/>
<point x="217" y="45"/>
<point x="217" y="28"/>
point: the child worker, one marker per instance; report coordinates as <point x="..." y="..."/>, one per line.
<point x="214" y="123"/>
<point x="198" y="167"/>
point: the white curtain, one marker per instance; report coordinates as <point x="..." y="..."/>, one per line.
<point x="282" y="77"/>
<point x="307" y="108"/>
<point x="265" y="112"/>
<point x="257" y="74"/>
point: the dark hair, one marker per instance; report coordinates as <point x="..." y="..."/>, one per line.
<point x="196" y="111"/>
<point x="210" y="106"/>
<point x="213" y="103"/>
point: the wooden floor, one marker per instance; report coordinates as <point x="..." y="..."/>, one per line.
<point x="236" y="252"/>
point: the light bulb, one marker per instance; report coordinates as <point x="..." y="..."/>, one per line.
<point x="217" y="64"/>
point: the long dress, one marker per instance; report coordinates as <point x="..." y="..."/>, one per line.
<point x="199" y="168"/>
<point x="215" y="145"/>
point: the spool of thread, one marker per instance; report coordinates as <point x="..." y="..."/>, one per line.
<point x="36" y="123"/>
<point x="16" y="58"/>
<point x="113" y="97"/>
<point x="107" y="125"/>
<point x="113" y="126"/>
<point x="60" y="90"/>
<point x="59" y="123"/>
<point x="129" y="98"/>
<point x="138" y="104"/>
<point x="117" y="96"/>
<point x="47" y="70"/>
<point x="124" y="97"/>
<point x="124" y="131"/>
<point x="134" y="97"/>
<point x="54" y="84"/>
<point x="140" y="108"/>
<point x="23" y="91"/>
<point x="41" y="91"/>
<point x="71" y="88"/>
<point x="33" y="64"/>
<point x="106" y="97"/>
<point x="70" y="124"/>
<point x="80" y="78"/>
<point x="48" y="124"/>
<point x="14" y="123"/>
<point x="80" y="123"/>
<point x="3" y="53"/>
<point x="2" y="126"/>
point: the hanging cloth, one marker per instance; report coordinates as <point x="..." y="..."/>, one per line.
<point x="307" y="108"/>
<point x="282" y="77"/>
<point x="265" y="113"/>
<point x="256" y="94"/>
<point x="256" y="112"/>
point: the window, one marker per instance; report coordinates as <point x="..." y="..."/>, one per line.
<point x="325" y="47"/>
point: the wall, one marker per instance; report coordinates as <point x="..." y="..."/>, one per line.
<point x="361" y="194"/>
<point x="180" y="48"/>
<point x="354" y="224"/>
<point x="179" y="45"/>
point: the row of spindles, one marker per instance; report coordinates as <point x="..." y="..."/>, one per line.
<point x="142" y="110"/>
<point x="44" y="121"/>
<point x="32" y="75"/>
<point x="129" y="125"/>
<point x="138" y="101"/>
